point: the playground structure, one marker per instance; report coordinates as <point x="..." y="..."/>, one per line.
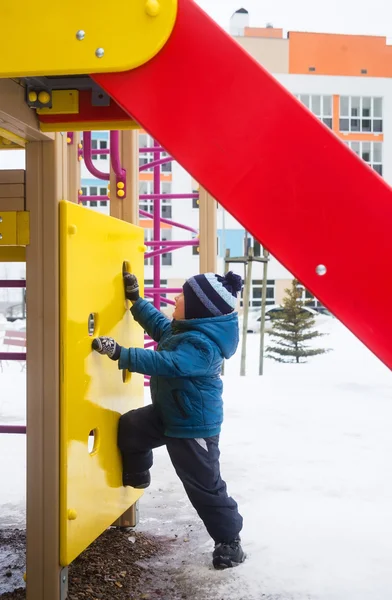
<point x="90" y="73"/>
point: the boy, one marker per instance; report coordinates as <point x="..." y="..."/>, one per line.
<point x="186" y="390"/>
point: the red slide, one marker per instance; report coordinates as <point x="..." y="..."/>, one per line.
<point x="279" y="171"/>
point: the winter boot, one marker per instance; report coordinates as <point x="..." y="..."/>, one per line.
<point x="139" y="481"/>
<point x="228" y="554"/>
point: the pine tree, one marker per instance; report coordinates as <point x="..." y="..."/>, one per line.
<point x="292" y="328"/>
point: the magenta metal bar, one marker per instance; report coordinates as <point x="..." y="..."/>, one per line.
<point x="12" y="428"/>
<point x="169" y="243"/>
<point x="12" y="283"/>
<point x="157" y="162"/>
<point x="168" y="196"/>
<point x="149" y="345"/>
<point x="156" y="253"/>
<point x="120" y="173"/>
<point x="144" y="213"/>
<point x="12" y="355"/>
<point x="87" y="153"/>
<point x="162" y="299"/>
<point x="155" y="149"/>
<point x="115" y="154"/>
<point x="164" y="290"/>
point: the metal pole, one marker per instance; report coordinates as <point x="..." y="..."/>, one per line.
<point x="248" y="286"/>
<point x="262" y="319"/>
<point x="157" y="222"/>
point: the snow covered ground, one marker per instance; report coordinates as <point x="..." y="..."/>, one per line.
<point x="307" y="453"/>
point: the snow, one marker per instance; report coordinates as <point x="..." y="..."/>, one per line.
<point x="306" y="451"/>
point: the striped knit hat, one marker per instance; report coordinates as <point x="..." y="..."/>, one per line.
<point x="211" y="295"/>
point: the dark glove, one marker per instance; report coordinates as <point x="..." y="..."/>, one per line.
<point x="108" y="346"/>
<point x="131" y="287"/>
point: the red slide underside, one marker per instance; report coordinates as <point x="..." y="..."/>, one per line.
<point x="279" y="171"/>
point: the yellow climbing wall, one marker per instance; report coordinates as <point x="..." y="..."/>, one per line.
<point x="93" y="249"/>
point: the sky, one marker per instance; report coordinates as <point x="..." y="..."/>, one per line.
<point x="334" y="16"/>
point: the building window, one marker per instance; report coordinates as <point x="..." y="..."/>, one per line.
<point x="93" y="190"/>
<point x="167" y="257"/>
<point x="321" y="107"/>
<point x="361" y="114"/>
<point x="308" y="298"/>
<point x="166" y="204"/>
<point x="84" y="191"/>
<point x="370" y="152"/>
<point x="166" y="167"/>
<point x="150" y="282"/>
<point x="257" y="292"/>
<point x="166" y="209"/>
<point x="99" y="145"/>
<point x="103" y="191"/>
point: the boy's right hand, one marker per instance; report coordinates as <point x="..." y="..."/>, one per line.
<point x="131" y="287"/>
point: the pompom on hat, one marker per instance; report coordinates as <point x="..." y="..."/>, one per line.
<point x="211" y="295"/>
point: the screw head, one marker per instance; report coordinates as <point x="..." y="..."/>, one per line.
<point x="99" y="52"/>
<point x="80" y="35"/>
<point x="64" y="579"/>
<point x="321" y="270"/>
<point x="152" y="8"/>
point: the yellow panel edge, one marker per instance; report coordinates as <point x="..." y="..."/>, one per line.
<point x="23" y="228"/>
<point x="89" y="126"/>
<point x="104" y="40"/>
<point x="93" y="248"/>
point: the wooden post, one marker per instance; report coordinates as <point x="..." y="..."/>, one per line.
<point x="248" y="287"/>
<point x="73" y="169"/>
<point x="45" y="186"/>
<point x="207" y="232"/>
<point x="127" y="209"/>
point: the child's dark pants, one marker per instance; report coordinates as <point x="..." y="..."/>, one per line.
<point x="195" y="461"/>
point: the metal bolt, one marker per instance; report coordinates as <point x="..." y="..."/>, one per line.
<point x="1" y="236"/>
<point x="1" y="219"/>
<point x="91" y="324"/>
<point x="64" y="579"/>
<point x="80" y="34"/>
<point x="99" y="52"/>
<point x="321" y="270"/>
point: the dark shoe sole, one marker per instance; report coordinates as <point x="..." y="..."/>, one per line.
<point x="139" y="481"/>
<point x="141" y="486"/>
<point x="224" y="562"/>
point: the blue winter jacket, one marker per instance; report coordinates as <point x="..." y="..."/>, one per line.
<point x="186" y="386"/>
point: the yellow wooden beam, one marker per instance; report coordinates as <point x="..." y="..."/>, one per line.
<point x="12" y="254"/>
<point x="90" y="126"/>
<point x="14" y="228"/>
